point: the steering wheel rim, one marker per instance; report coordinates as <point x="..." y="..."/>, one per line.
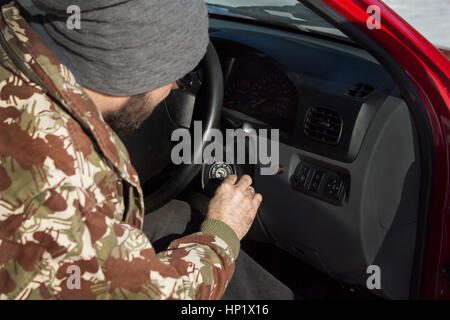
<point x="213" y="99"/>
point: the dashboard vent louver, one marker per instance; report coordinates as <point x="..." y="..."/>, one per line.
<point x="324" y="125"/>
<point x="359" y="90"/>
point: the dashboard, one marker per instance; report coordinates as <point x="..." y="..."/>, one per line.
<point x="347" y="196"/>
<point x="322" y="104"/>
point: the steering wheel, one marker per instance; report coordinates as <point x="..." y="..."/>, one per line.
<point x="208" y="84"/>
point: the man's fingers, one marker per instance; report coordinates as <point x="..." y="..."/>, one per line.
<point x="231" y="179"/>
<point x="251" y="191"/>
<point x="244" y="182"/>
<point x="257" y="199"/>
<point x="236" y="204"/>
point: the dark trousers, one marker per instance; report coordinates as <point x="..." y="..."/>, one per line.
<point x="250" y="281"/>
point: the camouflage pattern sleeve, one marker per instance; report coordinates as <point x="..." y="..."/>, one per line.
<point x="60" y="231"/>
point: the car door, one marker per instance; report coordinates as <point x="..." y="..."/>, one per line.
<point x="424" y="72"/>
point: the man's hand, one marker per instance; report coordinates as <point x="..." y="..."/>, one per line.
<point x="236" y="204"/>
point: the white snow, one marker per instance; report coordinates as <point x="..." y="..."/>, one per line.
<point x="430" y="17"/>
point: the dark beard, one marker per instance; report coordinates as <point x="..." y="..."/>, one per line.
<point x="131" y="115"/>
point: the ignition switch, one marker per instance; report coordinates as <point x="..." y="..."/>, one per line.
<point x="219" y="171"/>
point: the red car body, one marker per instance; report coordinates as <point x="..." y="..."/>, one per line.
<point x="429" y="70"/>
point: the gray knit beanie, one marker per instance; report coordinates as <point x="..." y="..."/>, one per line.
<point x="128" y="47"/>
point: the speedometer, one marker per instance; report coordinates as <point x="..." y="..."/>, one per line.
<point x="277" y="96"/>
<point x="239" y="93"/>
<point x="269" y="97"/>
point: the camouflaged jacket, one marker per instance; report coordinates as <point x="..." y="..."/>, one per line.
<point x="63" y="178"/>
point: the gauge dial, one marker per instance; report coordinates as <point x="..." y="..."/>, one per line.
<point x="270" y="98"/>
<point x="239" y="93"/>
<point x="277" y="95"/>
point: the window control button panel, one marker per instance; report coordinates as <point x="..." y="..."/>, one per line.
<point x="330" y="185"/>
<point x="316" y="180"/>
<point x="333" y="187"/>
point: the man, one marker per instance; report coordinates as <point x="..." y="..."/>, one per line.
<point x="71" y="207"/>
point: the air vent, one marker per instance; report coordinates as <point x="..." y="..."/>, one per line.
<point x="323" y="125"/>
<point x="359" y="90"/>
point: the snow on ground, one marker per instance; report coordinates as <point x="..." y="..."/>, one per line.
<point x="430" y="17"/>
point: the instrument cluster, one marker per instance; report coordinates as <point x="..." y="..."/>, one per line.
<point x="260" y="90"/>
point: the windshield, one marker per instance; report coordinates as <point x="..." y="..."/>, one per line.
<point x="286" y="13"/>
